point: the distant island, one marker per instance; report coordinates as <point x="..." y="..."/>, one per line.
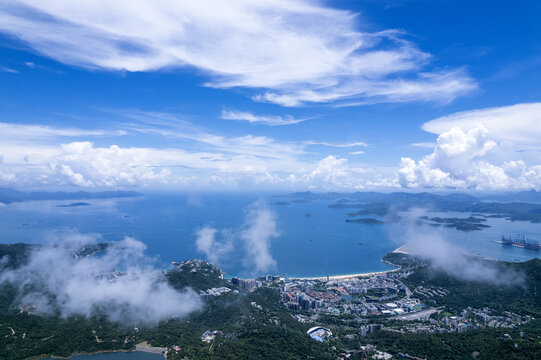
<point x="281" y="203"/>
<point x="8" y="196"/>
<point x="463" y="224"/>
<point x="75" y="204"/>
<point x="518" y="206"/>
<point x="370" y="221"/>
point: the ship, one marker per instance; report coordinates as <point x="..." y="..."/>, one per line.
<point x="520" y="240"/>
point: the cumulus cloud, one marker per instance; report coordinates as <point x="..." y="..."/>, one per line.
<point x="43" y="155"/>
<point x="430" y="244"/>
<point x="300" y="52"/>
<point x="270" y="120"/>
<point x="120" y="283"/>
<point x="331" y="172"/>
<point x="253" y="239"/>
<point x="480" y="150"/>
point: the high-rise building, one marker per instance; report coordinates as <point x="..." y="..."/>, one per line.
<point x="362" y="331"/>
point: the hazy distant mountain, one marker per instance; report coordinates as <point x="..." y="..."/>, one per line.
<point x="377" y="197"/>
<point x="10" y="195"/>
<point x="531" y="196"/>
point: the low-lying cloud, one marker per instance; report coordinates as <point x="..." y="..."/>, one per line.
<point x="259" y="228"/>
<point x="120" y="283"/>
<point x="430" y="244"/>
<point x="208" y="243"/>
<point x="252" y="239"/>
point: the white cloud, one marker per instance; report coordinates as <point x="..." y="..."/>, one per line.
<point x="300" y="52"/>
<point x="8" y="70"/>
<point x="481" y="149"/>
<point x="330" y="173"/>
<point x="339" y="145"/>
<point x="430" y="244"/>
<point x="24" y="132"/>
<point x="88" y="286"/>
<point x="229" y="162"/>
<point x="428" y="145"/>
<point x="259" y="229"/>
<point x="251" y="244"/>
<point x="439" y="87"/>
<point x="518" y="124"/>
<point x="473" y="158"/>
<point x="270" y="120"/>
<point x="213" y="248"/>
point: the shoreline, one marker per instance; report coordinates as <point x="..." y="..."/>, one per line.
<point x="348" y="276"/>
<point x="38" y="357"/>
<point x="400" y="250"/>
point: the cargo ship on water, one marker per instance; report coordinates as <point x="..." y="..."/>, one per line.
<point x="520" y="241"/>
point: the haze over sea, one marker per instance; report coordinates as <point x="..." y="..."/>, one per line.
<point x="314" y="240"/>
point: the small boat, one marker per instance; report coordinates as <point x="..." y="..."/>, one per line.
<point x="360" y="243"/>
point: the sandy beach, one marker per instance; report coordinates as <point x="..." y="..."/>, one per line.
<point x="401" y="250"/>
<point x="345" y="277"/>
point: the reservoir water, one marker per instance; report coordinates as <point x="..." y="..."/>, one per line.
<point x="136" y="355"/>
<point x="313" y="240"/>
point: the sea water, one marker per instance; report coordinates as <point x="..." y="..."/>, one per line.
<point x="312" y="240"/>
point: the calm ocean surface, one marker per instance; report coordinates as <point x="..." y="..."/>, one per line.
<point x="316" y="245"/>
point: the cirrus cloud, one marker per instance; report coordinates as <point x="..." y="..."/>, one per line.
<point x="270" y="120"/>
<point x="291" y="52"/>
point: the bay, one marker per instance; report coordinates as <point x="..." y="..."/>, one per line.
<point x="313" y="240"/>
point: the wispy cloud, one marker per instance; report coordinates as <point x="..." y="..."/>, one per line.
<point x="8" y="70"/>
<point x="517" y="123"/>
<point x="290" y="53"/>
<point x="428" y="145"/>
<point x="339" y="145"/>
<point x="21" y="132"/>
<point x="270" y="120"/>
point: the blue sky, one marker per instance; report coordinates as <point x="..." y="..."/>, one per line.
<point x="342" y="95"/>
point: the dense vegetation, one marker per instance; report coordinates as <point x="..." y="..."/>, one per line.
<point x="14" y="255"/>
<point x="486" y="344"/>
<point x="256" y="326"/>
<point x="247" y="332"/>
<point x="521" y="297"/>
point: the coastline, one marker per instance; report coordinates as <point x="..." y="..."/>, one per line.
<point x="79" y="354"/>
<point x="401" y="250"/>
<point x="348" y="276"/>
